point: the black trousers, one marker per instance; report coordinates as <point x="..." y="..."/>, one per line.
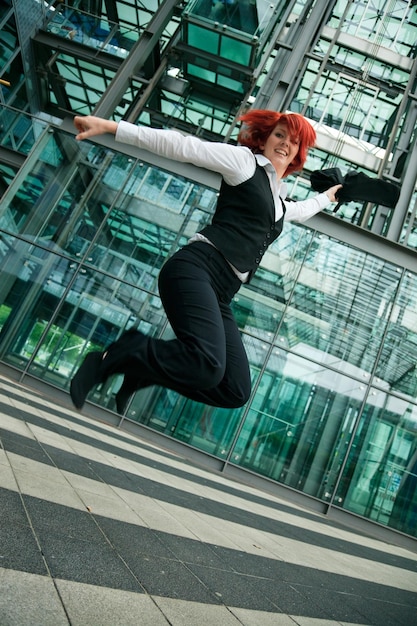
<point x="206" y="361"/>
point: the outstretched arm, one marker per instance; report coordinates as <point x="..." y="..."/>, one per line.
<point x="302" y="210"/>
<point x="89" y="126"/>
<point x="235" y="164"/>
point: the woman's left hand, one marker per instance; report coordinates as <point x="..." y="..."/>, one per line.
<point x="331" y="192"/>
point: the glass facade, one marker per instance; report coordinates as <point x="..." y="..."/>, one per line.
<point x="329" y="321"/>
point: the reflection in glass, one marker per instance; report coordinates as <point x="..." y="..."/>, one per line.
<point x="379" y="480"/>
<point x="339" y="307"/>
<point x="392" y="25"/>
<point x="243" y="15"/>
<point x="92" y="31"/>
<point x="299" y="423"/>
<point x="397" y="362"/>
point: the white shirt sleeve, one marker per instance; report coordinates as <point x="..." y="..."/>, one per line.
<point x="302" y="210"/>
<point x="234" y="163"/>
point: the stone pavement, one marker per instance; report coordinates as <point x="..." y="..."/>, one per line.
<point x="101" y="528"/>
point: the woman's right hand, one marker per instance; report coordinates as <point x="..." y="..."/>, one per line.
<point x="89" y="126"/>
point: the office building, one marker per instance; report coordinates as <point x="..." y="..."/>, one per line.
<point x="330" y="319"/>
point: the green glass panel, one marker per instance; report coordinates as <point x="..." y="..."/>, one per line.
<point x="207" y="428"/>
<point x="201" y="73"/>
<point x="336" y="278"/>
<point x="229" y="83"/>
<point x="18" y="131"/>
<point x="203" y="38"/>
<point x="236" y="51"/>
<point x="299" y="414"/>
<point x="397" y="362"/>
<point x="390" y="25"/>
<point x="8" y="43"/>
<point x="379" y="478"/>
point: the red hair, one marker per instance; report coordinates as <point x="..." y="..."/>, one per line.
<point x="258" y="124"/>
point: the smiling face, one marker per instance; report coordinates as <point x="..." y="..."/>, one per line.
<point x="280" y="148"/>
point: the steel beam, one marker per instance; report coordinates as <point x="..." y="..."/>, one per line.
<point x="137" y="57"/>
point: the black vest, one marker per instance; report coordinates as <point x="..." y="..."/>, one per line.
<point x="243" y="225"/>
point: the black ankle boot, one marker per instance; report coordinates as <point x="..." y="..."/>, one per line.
<point x="124" y="394"/>
<point x="88" y="376"/>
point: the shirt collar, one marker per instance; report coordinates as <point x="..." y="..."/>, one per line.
<point x="262" y="160"/>
<point x="267" y="165"/>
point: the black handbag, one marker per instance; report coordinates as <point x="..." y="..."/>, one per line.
<point x="356" y="186"/>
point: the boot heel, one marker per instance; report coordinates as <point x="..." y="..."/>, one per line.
<point x="87" y="376"/>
